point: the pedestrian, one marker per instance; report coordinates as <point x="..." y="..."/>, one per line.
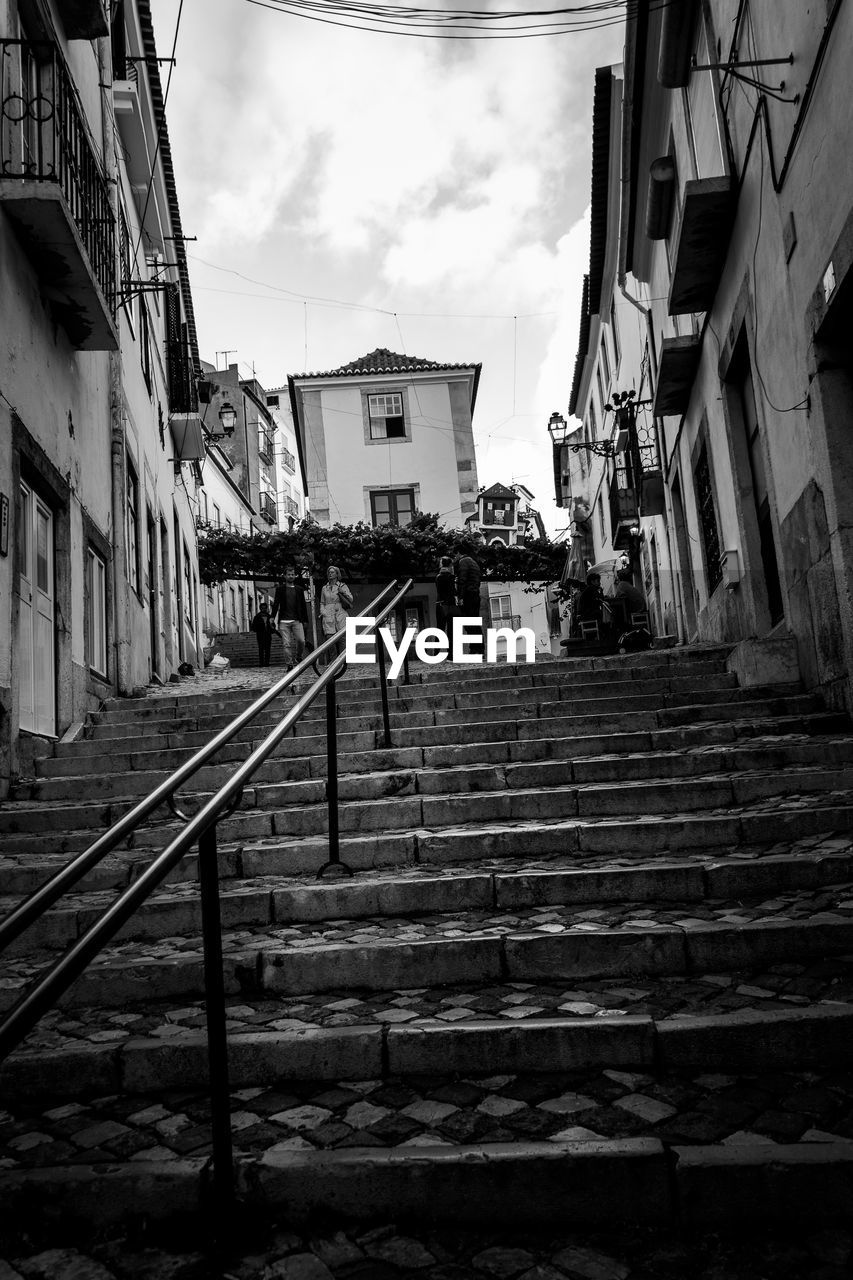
<point x="290" y="614"/>
<point x="468" y="594"/>
<point x="631" y="598"/>
<point x="445" y="586"/>
<point x="263" y="629"/>
<point x="335" y="603"/>
<point x="590" y="602"/>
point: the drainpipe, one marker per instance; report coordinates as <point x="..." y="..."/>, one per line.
<point x="646" y="313"/>
<point x="121" y="634"/>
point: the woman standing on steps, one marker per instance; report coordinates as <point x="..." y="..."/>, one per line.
<point x="335" y="604"/>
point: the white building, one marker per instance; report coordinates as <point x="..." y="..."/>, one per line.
<point x="386" y="436"/>
<point x="290" y="470"/>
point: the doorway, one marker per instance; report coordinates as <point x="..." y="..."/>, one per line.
<point x="36" y="592"/>
<point x="153" y="619"/>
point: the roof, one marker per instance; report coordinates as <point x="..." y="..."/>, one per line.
<point x="583" y="344"/>
<point x="383" y="361"/>
<point x="153" y="68"/>
<point x="600" y="183"/>
<point x="591" y="299"/>
<point x="498" y="491"/>
<point x="636" y="40"/>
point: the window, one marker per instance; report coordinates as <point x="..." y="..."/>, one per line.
<point x="188" y="589"/>
<point x="605" y="360"/>
<point x="602" y="398"/>
<point x="393" y="506"/>
<point x="217" y="517"/>
<point x="96" y="575"/>
<point x="593" y="423"/>
<point x="498" y="513"/>
<point x="385" y="416"/>
<point x="602" y="529"/>
<point x="707" y="519"/>
<point x="233" y="601"/>
<point x="500" y="608"/>
<point x="145" y="343"/>
<point x="272" y="402"/>
<point x="132" y="527"/>
<point x="614" y="330"/>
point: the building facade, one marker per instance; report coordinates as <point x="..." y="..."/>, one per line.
<point x="737" y="227"/>
<point x="387" y="436"/>
<point x="292" y="488"/>
<point x="607" y="462"/>
<point x="100" y="441"/>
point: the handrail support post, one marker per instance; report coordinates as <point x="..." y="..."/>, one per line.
<point x="334" y="867"/>
<point x="217" y="1036"/>
<point x="383" y="685"/>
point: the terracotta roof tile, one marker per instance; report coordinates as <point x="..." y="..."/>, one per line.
<point x="383" y="361"/>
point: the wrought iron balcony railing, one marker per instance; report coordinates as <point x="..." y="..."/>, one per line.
<point x="265" y="445"/>
<point x="268" y="511"/>
<point x="288" y="460"/>
<point x="44" y="138"/>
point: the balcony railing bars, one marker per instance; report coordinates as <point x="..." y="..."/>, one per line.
<point x="199" y="829"/>
<point x="44" y="138"/>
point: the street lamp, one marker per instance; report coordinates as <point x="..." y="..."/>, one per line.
<point x="559" y="436"/>
<point x="228" y="418"/>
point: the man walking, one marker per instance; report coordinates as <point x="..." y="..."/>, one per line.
<point x="290" y="614"/>
<point x="468" y="592"/>
<point x="262" y="627"/>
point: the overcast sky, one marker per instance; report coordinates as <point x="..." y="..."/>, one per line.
<point x="440" y="188"/>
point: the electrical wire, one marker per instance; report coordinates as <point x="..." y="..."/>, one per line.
<point x="400" y="20"/>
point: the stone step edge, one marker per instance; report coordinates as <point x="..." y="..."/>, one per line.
<point x="265" y="797"/>
<point x="564" y="755"/>
<point x="742" y="729"/>
<point x="747" y="1040"/>
<point x="685" y="881"/>
<point x="664" y="717"/>
<point x="269" y="967"/>
<point x="631" y="1181"/>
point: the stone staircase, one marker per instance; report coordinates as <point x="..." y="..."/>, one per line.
<point x="241" y="648"/>
<point x="595" y="965"/>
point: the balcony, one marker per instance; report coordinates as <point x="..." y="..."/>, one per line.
<point x="265" y="446"/>
<point x="53" y="189"/>
<point x="84" y="19"/>
<point x="292" y="508"/>
<point x="703" y="241"/>
<point x="268" y="511"/>
<point x="623" y="507"/>
<point x="679" y="360"/>
<point x="288" y="460"/>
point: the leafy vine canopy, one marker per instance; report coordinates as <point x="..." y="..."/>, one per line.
<point x="365" y="553"/>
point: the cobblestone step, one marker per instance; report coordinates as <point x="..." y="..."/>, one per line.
<point x="408" y="700"/>
<point x="499" y="747"/>
<point x="588" y="1146"/>
<point x="787" y="1015"/>
<point x="517" y="944"/>
<point x="390" y="801"/>
<point x="175" y="910"/>
<point x="389" y="1249"/>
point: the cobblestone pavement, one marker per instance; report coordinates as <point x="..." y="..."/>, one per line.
<point x="676" y="1107"/>
<point x="385" y="1252"/>
<point x="826" y="905"/>
<point x="777" y="988"/>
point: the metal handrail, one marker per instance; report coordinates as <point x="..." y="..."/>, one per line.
<point x="53" y="889"/>
<point x="45" y="992"/>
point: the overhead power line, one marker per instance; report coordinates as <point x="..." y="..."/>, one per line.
<point x="459" y="24"/>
